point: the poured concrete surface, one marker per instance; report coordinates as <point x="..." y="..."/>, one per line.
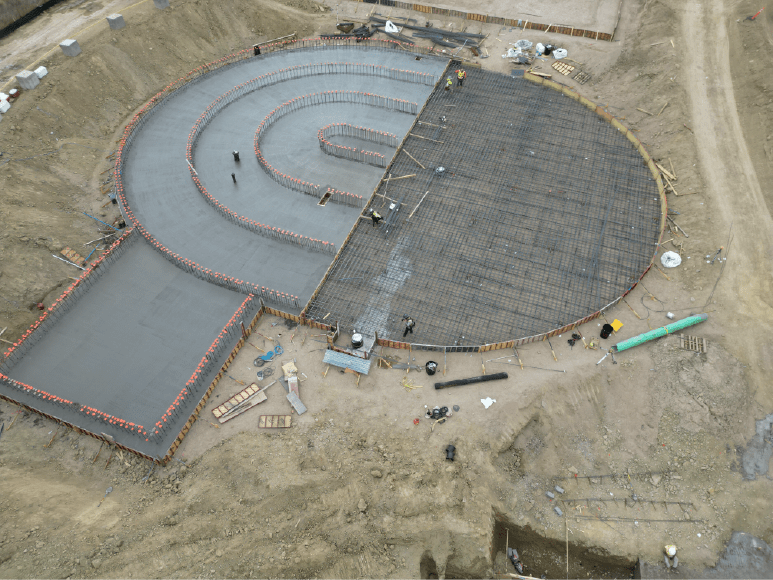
<point x="129" y="345"/>
<point x="166" y="201"/>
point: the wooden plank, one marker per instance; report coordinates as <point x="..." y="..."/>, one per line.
<point x="274" y="422"/>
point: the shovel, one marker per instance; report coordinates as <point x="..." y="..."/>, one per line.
<point x="107" y="491"/>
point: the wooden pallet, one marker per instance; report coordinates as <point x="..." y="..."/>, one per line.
<point x="274" y="422"/>
<point x="693" y="343"/>
<point x="245" y="399"/>
<point x="582" y="77"/>
<point x="73" y="256"/>
<point x="563" y="68"/>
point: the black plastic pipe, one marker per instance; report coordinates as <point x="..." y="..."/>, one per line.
<point x="471" y="380"/>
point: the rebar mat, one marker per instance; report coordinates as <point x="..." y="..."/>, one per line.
<point x="542" y="214"/>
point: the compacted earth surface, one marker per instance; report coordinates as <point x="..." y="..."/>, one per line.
<point x="661" y="446"/>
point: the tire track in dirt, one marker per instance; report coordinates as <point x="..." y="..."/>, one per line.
<point x="728" y="171"/>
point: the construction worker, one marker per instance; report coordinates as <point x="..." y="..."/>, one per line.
<point x="460" y="76"/>
<point x="233" y="176"/>
<point x="409" y="324"/>
<point x="449" y="83"/>
<point x="376" y="217"/>
<point x="236" y="155"/>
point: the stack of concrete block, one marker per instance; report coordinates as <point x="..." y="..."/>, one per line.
<point x="116" y="21"/>
<point x="28" y="80"/>
<point x="70" y="47"/>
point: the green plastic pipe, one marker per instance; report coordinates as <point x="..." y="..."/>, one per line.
<point x="658" y="332"/>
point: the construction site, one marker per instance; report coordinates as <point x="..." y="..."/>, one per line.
<point x="367" y="289"/>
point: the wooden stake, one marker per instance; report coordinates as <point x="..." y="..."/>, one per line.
<point x="665" y="171"/>
<point x="415" y="160"/>
<point x="482" y="366"/>
<point x="52" y="437"/>
<point x="632" y="310"/>
<point x="417" y="205"/>
<point x="112" y="450"/>
<point x="253" y="346"/>
<point x="555" y="358"/>
<point x="671" y="163"/>
<point x="431" y="124"/>
<point x="671" y="185"/>
<point x="678" y="227"/>
<point x="14" y="419"/>
<point x="663" y="109"/>
<point x="426" y="139"/>
<point x="643" y="111"/>
<point x="515" y="350"/>
<point x="662" y="272"/>
<point x="98" y="452"/>
<point x="324" y="375"/>
<point x="401" y="177"/>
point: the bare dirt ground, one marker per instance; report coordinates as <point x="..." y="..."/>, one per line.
<point x="354" y="488"/>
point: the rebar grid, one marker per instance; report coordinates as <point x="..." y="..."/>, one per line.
<point x="543" y="215"/>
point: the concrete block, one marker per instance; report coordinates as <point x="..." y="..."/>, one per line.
<point x="4" y="106"/>
<point x="116" y="21"/>
<point x="28" y="80"/>
<point x="70" y="47"/>
<point x="550" y="494"/>
<point x="41" y="71"/>
<point x="161" y="4"/>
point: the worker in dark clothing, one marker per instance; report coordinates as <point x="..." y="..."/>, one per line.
<point x="376" y="217"/>
<point x="460" y="76"/>
<point x="409" y="324"/>
<point x="236" y="156"/>
<point x="512" y="555"/>
<point x="233" y="176"/>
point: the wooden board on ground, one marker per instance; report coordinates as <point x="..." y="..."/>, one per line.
<point x="693" y="343"/>
<point x="274" y="422"/>
<point x="244" y="399"/>
<point x="563" y="68"/>
<point x="582" y="77"/>
<point x="73" y="256"/>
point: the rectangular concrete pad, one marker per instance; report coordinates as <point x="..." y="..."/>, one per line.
<point x="129" y="345"/>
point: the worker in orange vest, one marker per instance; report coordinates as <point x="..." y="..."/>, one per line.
<point x="460" y="76"/>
